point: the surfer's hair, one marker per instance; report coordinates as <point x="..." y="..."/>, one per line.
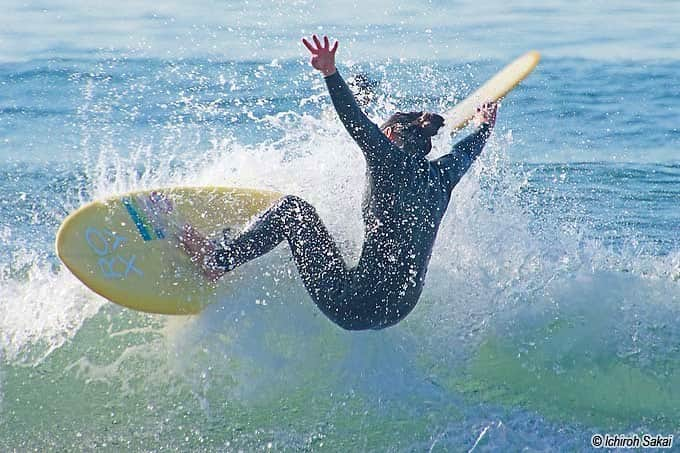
<point x="415" y="129"/>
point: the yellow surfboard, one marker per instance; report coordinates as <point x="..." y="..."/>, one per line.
<point x="494" y="89"/>
<point x="127" y="251"/>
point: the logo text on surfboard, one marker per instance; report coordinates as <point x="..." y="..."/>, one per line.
<point x="112" y="262"/>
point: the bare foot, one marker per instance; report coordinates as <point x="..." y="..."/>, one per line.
<point x="486" y="114"/>
<point x="160" y="203"/>
<point x="201" y="251"/>
<point x="159" y="211"/>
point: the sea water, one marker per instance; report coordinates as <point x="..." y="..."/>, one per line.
<point x="551" y="310"/>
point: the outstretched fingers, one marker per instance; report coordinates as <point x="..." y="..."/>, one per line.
<point x="487" y="107"/>
<point x="486" y="113"/>
<point x="318" y="45"/>
<point x="323" y="56"/>
<point x="308" y="45"/>
<point x="491" y="107"/>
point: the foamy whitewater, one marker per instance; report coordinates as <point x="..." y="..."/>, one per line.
<point x="551" y="309"/>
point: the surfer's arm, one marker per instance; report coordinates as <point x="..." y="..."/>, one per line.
<point x="455" y="164"/>
<point x="368" y="136"/>
<point x="364" y="131"/>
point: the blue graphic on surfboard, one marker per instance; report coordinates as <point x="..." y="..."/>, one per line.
<point x="153" y="214"/>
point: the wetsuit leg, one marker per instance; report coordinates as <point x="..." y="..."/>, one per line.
<point x="318" y="259"/>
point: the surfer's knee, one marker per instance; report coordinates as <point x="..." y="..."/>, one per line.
<point x="296" y="206"/>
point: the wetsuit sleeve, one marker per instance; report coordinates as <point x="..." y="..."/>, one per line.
<point x="455" y="164"/>
<point x="374" y="144"/>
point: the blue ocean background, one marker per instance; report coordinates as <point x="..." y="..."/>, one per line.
<point x="552" y="305"/>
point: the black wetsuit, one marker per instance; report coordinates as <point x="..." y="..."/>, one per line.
<point x="405" y="200"/>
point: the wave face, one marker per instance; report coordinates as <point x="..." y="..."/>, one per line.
<point x="551" y="304"/>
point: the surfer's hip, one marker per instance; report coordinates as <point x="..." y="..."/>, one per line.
<point x="362" y="305"/>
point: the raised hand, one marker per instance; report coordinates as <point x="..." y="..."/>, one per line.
<point x="486" y="114"/>
<point x="323" y="55"/>
<point x="200" y="251"/>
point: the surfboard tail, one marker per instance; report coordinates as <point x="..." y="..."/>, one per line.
<point x="493" y="89"/>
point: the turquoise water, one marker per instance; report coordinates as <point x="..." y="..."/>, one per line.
<point x="551" y="309"/>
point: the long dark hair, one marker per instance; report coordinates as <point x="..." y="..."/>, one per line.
<point x="415" y="129"/>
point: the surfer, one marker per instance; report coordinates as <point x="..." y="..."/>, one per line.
<point x="405" y="199"/>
